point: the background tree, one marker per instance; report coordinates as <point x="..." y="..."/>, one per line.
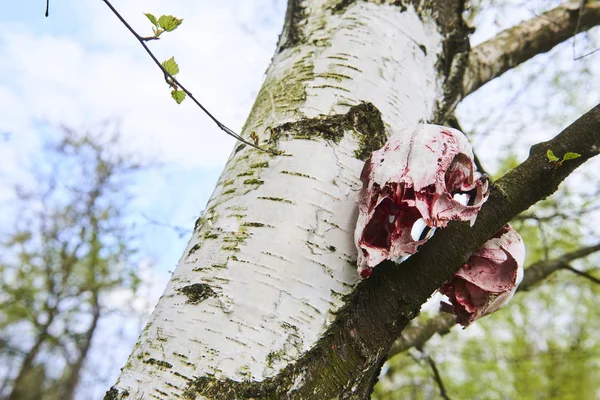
<point x="69" y="251"/>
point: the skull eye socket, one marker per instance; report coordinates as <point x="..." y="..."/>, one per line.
<point x="459" y="171"/>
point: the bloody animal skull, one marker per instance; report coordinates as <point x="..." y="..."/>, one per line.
<point x="417" y="182"/>
<point x="489" y="279"/>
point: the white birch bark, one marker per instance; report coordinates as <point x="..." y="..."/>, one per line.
<point x="273" y="255"/>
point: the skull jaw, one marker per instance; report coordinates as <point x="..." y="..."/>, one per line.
<point x="385" y="232"/>
<point x="489" y="280"/>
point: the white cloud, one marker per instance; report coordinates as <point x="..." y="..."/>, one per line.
<point x="99" y="71"/>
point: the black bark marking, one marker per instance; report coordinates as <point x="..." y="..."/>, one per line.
<point x="197" y="292"/>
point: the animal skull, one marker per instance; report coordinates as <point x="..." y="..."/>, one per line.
<point x="489" y="279"/>
<point x="417" y="182"/>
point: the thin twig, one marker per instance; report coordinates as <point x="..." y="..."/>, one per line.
<point x="581" y="7"/>
<point x="575" y="58"/>
<point x="177" y="229"/>
<point x="437" y="378"/>
<point x="585" y="54"/>
<point x="47" y="8"/>
<point x="171" y="80"/>
<point x="544" y="239"/>
<point x="582" y="274"/>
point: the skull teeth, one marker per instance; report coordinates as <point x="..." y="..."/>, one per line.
<point x="420" y="230"/>
<point x="417" y="229"/>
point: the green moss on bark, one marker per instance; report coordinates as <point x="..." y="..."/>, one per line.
<point x="253" y="182"/>
<point x="364" y="120"/>
<point x="369" y="128"/>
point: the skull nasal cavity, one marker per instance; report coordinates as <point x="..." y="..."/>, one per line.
<point x="459" y="172"/>
<point x="378" y="230"/>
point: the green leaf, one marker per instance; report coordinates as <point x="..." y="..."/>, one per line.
<point x="171" y="66"/>
<point x="169" y="22"/>
<point x="571" y="156"/>
<point x="178" y="95"/>
<point x="152" y="19"/>
<point x="551" y="156"/>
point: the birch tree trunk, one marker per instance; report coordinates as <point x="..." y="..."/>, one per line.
<point x="258" y="306"/>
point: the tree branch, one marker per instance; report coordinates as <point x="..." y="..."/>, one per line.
<point x="418" y="333"/>
<point x="522" y="42"/>
<point x="437" y="378"/>
<point x="357" y="342"/>
<point x="542" y="269"/>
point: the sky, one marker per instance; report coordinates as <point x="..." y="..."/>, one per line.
<point x="80" y="67"/>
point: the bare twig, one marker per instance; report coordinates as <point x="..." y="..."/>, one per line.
<point x="544" y="240"/>
<point x="582" y="274"/>
<point x="572" y="214"/>
<point x="417" y="333"/>
<point x="171" y="80"/>
<point x="437" y="378"/>
<point x="522" y="42"/>
<point x="589" y="53"/>
<point x="581" y="7"/>
<point x="177" y="229"/>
